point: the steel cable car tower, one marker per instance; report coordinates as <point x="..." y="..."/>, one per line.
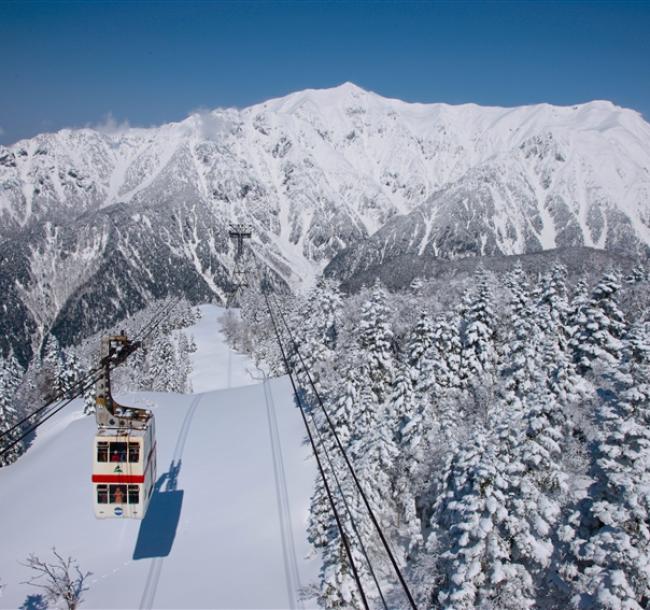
<point x="239" y="232"/>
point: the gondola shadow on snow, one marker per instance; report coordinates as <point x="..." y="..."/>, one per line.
<point x="158" y="528"/>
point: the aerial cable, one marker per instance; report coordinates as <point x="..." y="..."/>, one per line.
<point x="48" y="416"/>
<point x="330" y="463"/>
<point x="80" y="386"/>
<point x="347" y="461"/>
<point x="350" y="467"/>
<point x="364" y="552"/>
<point x="61" y="395"/>
<point x="87" y="381"/>
<point x="339" y="525"/>
<point x="144" y="332"/>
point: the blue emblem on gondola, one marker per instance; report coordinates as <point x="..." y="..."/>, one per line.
<point x="118" y="511"/>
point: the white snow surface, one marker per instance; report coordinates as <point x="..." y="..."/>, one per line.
<point x="228" y="518"/>
<point x="214" y="365"/>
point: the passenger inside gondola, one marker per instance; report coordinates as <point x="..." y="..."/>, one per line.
<point x="119" y="452"/>
<point x="118" y="495"/>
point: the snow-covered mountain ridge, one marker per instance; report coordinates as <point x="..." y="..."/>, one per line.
<point x="318" y="168"/>
<point x="91" y="216"/>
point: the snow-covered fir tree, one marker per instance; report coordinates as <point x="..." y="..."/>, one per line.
<point x="600" y="326"/>
<point x="10" y="377"/>
<point x="446" y="356"/>
<point x="479" y="356"/>
<point x="375" y="340"/>
<point x="419" y="354"/>
<point x="612" y="545"/>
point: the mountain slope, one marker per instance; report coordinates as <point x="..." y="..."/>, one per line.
<point x="144" y="212"/>
<point x="231" y="546"/>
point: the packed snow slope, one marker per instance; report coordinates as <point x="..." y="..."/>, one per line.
<point x="230" y="535"/>
<point x="214" y="365"/>
<point x="96" y="222"/>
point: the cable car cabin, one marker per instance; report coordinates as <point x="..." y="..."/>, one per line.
<point x="124" y="461"/>
<point x="124" y="472"/>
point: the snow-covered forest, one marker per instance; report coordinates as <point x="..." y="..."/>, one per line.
<point x="500" y="426"/>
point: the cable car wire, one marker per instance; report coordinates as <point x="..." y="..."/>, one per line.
<point x="41" y="421"/>
<point x="339" y="525"/>
<point x="347" y="508"/>
<point x="65" y="393"/>
<point x="82" y="384"/>
<point x="61" y="395"/>
<point x="330" y="462"/>
<point x="375" y="522"/>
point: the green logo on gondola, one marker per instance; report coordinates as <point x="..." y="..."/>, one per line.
<point x="117" y="469"/>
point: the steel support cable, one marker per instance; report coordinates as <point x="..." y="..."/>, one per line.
<point x="364" y="552"/>
<point x="339" y="525"/>
<point x="162" y="313"/>
<point x="54" y="411"/>
<point x="65" y="393"/>
<point x="375" y="522"/>
<point x="80" y="383"/>
<point x="55" y="399"/>
<point x="330" y="462"/>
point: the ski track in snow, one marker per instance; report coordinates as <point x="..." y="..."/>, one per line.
<point x="292" y="573"/>
<point x="156" y="565"/>
<point x="235" y="458"/>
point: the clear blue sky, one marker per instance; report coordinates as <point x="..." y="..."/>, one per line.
<point x="71" y="64"/>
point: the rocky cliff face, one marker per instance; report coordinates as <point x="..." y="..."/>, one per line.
<point x="95" y="223"/>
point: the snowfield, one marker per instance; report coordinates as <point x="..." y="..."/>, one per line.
<point x="214" y="365"/>
<point x="229" y="534"/>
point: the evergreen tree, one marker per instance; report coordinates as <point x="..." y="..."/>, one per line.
<point x="375" y="339"/>
<point x="345" y="406"/>
<point x="10" y="376"/>
<point x="600" y="327"/>
<point x="520" y="366"/>
<point x="446" y="356"/>
<point x="90" y="405"/>
<point x="478" y="355"/>
<point x="366" y="415"/>
<point x="338" y="586"/>
<point x="639" y="274"/>
<point x="51" y="367"/>
<point x="408" y="458"/>
<point x="162" y="365"/>
<point x="578" y="304"/>
<point x="183" y="364"/>
<point x="68" y="373"/>
<point x="419" y="351"/>
<point x="476" y="566"/>
<point x="555" y="305"/>
<point x="612" y="548"/>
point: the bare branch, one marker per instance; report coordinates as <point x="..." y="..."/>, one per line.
<point x="61" y="579"/>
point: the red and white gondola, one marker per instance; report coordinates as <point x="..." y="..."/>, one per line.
<point x="124" y="460"/>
